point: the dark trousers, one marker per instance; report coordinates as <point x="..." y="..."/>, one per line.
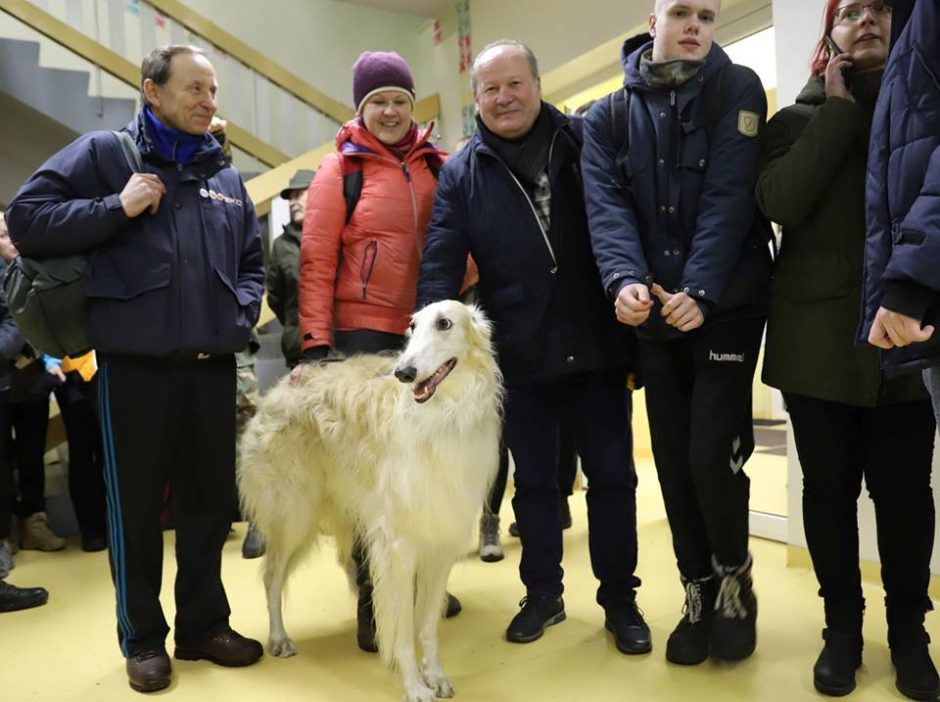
<point x="168" y="422"/>
<point x="600" y="409"/>
<point x="567" y="466"/>
<point x="30" y="423"/>
<point x="7" y="489"/>
<point x="892" y="448"/>
<point x="86" y="476"/>
<point x="698" y="399"/>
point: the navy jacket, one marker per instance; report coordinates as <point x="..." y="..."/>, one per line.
<point x="540" y="289"/>
<point x="902" y="252"/>
<point x="185" y="280"/>
<point x="678" y="207"/>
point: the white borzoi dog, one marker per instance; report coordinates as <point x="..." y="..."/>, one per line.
<point x="400" y="451"/>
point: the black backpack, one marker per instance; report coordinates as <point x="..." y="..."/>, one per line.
<point x="715" y="94"/>
<point x="46" y="297"/>
<point x="352" y="179"/>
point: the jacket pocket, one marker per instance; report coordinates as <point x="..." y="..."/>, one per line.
<point x="809" y="278"/>
<point x="110" y="282"/>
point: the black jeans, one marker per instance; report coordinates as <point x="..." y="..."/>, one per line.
<point x="698" y="399"/>
<point x="86" y="476"/>
<point x="892" y="448"/>
<point x="30" y="422"/>
<point x="7" y="489"/>
<point x="600" y="408"/>
<point x="167" y="422"/>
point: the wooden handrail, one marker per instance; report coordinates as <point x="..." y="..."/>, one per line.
<point x="254" y="59"/>
<point x="121" y="68"/>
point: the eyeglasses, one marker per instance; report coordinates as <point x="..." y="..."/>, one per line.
<point x="850" y="14"/>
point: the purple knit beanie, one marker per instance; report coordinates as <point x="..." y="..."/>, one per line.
<point x="376" y="71"/>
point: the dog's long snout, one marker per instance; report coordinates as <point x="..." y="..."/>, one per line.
<point x="406" y="374"/>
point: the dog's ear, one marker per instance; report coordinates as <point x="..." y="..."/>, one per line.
<point x="480" y="325"/>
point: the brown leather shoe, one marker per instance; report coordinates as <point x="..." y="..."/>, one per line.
<point x="228" y="648"/>
<point x="149" y="671"/>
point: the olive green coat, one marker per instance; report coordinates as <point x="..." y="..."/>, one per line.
<point x="812" y="183"/>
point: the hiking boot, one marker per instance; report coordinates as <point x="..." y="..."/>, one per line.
<point x="6" y="558"/>
<point x="13" y="598"/>
<point x="253" y="545"/>
<point x="834" y="672"/>
<point x="631" y="633"/>
<point x="538" y="612"/>
<point x="916" y="674"/>
<point x="689" y="643"/>
<point x="453" y="607"/>
<point x="37" y="534"/>
<point x="564" y="510"/>
<point x="491" y="550"/>
<point x="734" y="627"/>
<point x="148" y="671"/>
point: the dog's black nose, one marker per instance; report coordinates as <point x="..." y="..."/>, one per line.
<point x="406" y="374"/>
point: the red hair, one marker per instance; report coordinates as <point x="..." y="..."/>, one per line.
<point x="821" y="52"/>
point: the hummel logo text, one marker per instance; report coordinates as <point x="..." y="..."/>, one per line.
<point x="725" y="357"/>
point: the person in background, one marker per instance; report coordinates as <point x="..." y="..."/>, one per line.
<point x="12" y="598"/>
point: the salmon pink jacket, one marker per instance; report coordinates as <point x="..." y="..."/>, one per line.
<point x="363" y="274"/>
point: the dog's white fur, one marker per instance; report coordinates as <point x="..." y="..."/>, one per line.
<point x="349" y="450"/>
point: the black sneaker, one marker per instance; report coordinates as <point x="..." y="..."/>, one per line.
<point x="916" y="674"/>
<point x="13" y="598"/>
<point x="690" y="641"/>
<point x="538" y="612"/>
<point x="834" y="672"/>
<point x="631" y="633"/>
<point x="734" y="628"/>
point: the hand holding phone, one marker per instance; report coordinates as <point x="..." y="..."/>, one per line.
<point x="838" y="74"/>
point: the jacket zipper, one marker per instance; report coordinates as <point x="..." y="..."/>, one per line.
<point x="368" y="264"/>
<point x="414" y="205"/>
<point x="535" y="214"/>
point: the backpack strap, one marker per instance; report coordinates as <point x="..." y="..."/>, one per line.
<point x="131" y="152"/>
<point x="619" y="110"/>
<point x="352" y="178"/>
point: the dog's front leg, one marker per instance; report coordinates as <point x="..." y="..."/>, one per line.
<point x="432" y="589"/>
<point x="392" y="564"/>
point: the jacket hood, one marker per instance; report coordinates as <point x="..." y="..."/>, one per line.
<point x="813" y="93"/>
<point x="353" y="138"/>
<point x="634" y="48"/>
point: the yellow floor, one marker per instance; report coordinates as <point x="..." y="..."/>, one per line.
<point x="66" y="650"/>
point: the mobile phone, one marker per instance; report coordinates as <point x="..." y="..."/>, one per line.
<point x="834" y="50"/>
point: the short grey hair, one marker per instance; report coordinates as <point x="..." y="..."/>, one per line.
<point x="530" y="57"/>
<point x="156" y="64"/>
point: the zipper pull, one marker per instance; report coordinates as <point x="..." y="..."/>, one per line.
<point x="404" y="168"/>
<point x="672" y="98"/>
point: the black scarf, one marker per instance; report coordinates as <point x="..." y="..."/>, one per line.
<point x="526" y="157"/>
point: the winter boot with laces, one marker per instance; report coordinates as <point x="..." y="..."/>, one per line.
<point x="689" y="643"/>
<point x="734" y="628"/>
<point x="491" y="550"/>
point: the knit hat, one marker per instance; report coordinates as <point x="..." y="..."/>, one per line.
<point x="377" y="71"/>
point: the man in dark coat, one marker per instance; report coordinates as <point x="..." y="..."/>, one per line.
<point x="175" y="292"/>
<point x="512" y="197"/>
<point x="670" y="163"/>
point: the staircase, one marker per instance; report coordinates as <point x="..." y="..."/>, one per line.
<point x="60" y="94"/>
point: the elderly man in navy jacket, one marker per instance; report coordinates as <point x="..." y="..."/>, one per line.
<point x="670" y="163"/>
<point x="175" y="291"/>
<point x="513" y="198"/>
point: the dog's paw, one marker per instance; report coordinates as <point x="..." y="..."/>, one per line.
<point x="419" y="693"/>
<point x="439" y="682"/>
<point x="281" y="648"/>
